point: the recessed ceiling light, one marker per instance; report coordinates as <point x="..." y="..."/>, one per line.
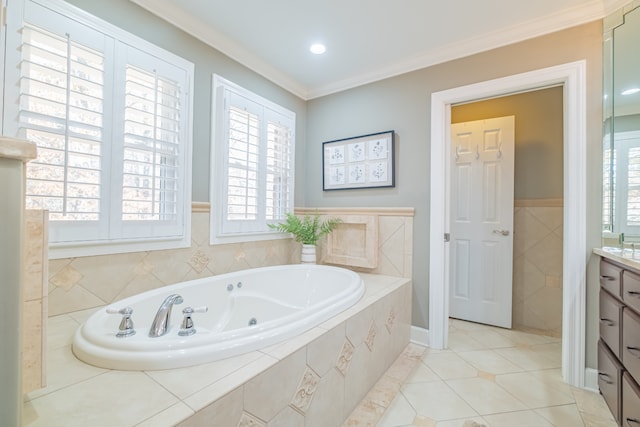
<point x="631" y="91"/>
<point x="318" y="48"/>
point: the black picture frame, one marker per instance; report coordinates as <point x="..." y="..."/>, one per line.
<point x="365" y="161"/>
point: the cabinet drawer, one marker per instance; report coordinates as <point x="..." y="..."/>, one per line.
<point x="609" y="377"/>
<point x="630" y="350"/>
<point x="630" y="402"/>
<point x="610" y="276"/>
<point x="631" y="289"/>
<point x="610" y="320"/>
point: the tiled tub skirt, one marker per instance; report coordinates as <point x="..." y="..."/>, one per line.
<point x="315" y="379"/>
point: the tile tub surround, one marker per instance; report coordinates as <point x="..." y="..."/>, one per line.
<point x="537" y="266"/>
<point x="86" y="282"/>
<point x="314" y="379"/>
<point x="34" y="296"/>
<point x="392" y="239"/>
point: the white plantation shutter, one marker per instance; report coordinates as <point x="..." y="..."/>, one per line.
<point x="242" y="165"/>
<point x="279" y="173"/>
<point x="153" y="149"/>
<point x="110" y="115"/>
<point x="151" y="146"/>
<point x="61" y="107"/>
<point x="626" y="164"/>
<point x="256" y="157"/>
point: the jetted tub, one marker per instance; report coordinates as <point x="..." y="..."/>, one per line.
<point x="247" y="310"/>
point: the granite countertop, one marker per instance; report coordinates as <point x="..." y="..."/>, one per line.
<point x="627" y="257"/>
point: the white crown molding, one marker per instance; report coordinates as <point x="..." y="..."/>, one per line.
<point x="591" y="11"/>
<point x="567" y="18"/>
<point x="208" y="35"/>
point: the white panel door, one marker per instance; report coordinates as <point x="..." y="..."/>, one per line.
<point x="481" y="258"/>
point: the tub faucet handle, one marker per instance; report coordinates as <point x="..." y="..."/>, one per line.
<point x="187" y="328"/>
<point x="126" y="324"/>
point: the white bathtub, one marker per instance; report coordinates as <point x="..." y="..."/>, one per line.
<point x="284" y="301"/>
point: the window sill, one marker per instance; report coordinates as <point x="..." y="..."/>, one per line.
<point x="243" y="238"/>
<point x="77" y="250"/>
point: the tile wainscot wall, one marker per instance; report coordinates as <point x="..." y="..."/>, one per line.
<point x="537" y="266"/>
<point x="93" y="281"/>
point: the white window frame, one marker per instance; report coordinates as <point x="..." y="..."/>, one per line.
<point x="218" y="191"/>
<point x="179" y="239"/>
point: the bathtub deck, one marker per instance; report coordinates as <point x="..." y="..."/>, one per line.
<point x="80" y="394"/>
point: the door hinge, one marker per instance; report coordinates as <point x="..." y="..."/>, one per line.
<point x="447" y="237"/>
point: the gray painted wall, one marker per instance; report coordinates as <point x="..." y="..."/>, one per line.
<point x="402" y="103"/>
<point x="538" y="138"/>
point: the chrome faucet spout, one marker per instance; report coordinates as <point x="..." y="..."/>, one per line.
<point x="160" y="324"/>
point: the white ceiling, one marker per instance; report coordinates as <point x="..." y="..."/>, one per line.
<point x="367" y="40"/>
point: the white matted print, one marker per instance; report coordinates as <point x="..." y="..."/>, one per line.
<point x="356" y="174"/>
<point x="337" y="176"/>
<point x="365" y="161"/>
<point x="336" y="155"/>
<point x="377" y="149"/>
<point x="356" y="152"/>
<point x="378" y="172"/>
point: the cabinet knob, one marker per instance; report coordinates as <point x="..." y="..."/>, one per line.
<point x="608" y="278"/>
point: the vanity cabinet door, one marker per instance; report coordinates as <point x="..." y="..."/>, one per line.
<point x="610" y="276"/>
<point x="610" y="320"/>
<point x="631" y="289"/>
<point x="631" y="342"/>
<point x="630" y="402"/>
<point x="609" y="376"/>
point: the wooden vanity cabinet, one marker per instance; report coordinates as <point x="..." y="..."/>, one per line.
<point x="609" y="376"/>
<point x="630" y="401"/>
<point x="631" y="290"/>
<point x="610" y="278"/>
<point x="610" y="321"/>
<point x="619" y="345"/>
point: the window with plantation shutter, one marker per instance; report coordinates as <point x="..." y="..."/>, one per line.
<point x="151" y="147"/>
<point x="111" y="116"/>
<point x="61" y="109"/>
<point x="279" y="173"/>
<point x="253" y="150"/>
<point x="620" y="204"/>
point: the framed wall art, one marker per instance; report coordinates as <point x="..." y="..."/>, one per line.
<point x="365" y="161"/>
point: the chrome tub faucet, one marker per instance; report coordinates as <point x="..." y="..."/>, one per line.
<point x="160" y="323"/>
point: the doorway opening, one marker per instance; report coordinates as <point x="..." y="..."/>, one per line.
<point x="535" y="209"/>
<point x="572" y="77"/>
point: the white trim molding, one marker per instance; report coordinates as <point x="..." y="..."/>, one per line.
<point x="572" y="77"/>
<point x="419" y="336"/>
<point x="591" y="380"/>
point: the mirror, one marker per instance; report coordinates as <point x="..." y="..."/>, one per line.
<point x="621" y="130"/>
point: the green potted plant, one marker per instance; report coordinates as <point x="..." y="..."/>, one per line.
<point x="307" y="230"/>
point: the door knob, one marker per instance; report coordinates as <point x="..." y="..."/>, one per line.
<point x="501" y="232"/>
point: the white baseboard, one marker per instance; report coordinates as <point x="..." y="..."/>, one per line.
<point x="419" y="336"/>
<point x="591" y="379"/>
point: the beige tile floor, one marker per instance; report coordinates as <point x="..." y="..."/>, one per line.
<point x="488" y="377"/>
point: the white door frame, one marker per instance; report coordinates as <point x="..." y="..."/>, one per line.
<point x="572" y="77"/>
